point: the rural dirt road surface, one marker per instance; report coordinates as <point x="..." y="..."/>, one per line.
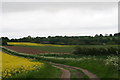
<point x="65" y="73"/>
<point x="86" y="72"/>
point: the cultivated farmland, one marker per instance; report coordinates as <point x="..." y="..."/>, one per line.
<point x="92" y="63"/>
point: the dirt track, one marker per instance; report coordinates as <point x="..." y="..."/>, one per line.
<point x="65" y="73"/>
<point x="86" y="72"/>
<point x="26" y="50"/>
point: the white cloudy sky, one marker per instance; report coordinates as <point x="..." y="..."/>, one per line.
<point x="57" y="18"/>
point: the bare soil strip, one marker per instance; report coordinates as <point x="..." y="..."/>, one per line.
<point x="65" y="73"/>
<point x="80" y="75"/>
<point x="86" y="72"/>
<point x="26" y="50"/>
<point x="29" y="50"/>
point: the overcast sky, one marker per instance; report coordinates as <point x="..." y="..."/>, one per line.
<point x="21" y="19"/>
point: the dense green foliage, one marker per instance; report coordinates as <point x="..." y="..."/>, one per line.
<point x="72" y="40"/>
<point x="3" y="41"/>
<point x="96" y="51"/>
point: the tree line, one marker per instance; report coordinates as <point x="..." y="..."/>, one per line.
<point x="98" y="39"/>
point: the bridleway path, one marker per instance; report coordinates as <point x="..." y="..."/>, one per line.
<point x="66" y="73"/>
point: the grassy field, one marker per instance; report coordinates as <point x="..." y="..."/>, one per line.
<point x="102" y="66"/>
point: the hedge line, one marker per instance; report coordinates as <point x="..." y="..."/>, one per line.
<point x="96" y="51"/>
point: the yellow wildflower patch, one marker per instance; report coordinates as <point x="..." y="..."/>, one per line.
<point x="36" y="44"/>
<point x="13" y="65"/>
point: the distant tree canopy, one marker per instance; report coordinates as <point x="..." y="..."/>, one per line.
<point x="3" y="40"/>
<point x="98" y="39"/>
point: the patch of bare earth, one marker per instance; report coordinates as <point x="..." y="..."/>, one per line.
<point x="27" y="50"/>
<point x="65" y="73"/>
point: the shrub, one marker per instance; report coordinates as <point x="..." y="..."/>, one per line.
<point x="4" y="43"/>
<point x="95" y="51"/>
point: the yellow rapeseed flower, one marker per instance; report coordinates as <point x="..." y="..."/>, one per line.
<point x="36" y="44"/>
<point x="13" y="64"/>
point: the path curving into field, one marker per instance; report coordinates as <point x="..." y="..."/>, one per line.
<point x="65" y="73"/>
<point x="86" y="72"/>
